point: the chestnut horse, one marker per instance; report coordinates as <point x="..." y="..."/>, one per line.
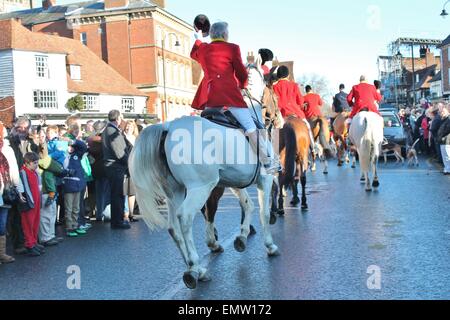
<point x="340" y="136"/>
<point x="294" y="151"/>
<point x="316" y="125"/>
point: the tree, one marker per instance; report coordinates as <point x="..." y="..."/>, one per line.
<point x="319" y="85"/>
<point x="75" y="104"/>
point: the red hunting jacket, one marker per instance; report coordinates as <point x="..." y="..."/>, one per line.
<point x="224" y="75"/>
<point x="290" y="100"/>
<point x="363" y="95"/>
<point x="313" y="103"/>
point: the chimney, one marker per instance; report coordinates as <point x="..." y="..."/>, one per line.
<point x="46" y="4"/>
<point x="109" y="4"/>
<point x="430" y="58"/>
<point x="160" y="3"/>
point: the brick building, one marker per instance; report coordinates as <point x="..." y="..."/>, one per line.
<point x="129" y="36"/>
<point x="39" y="73"/>
<point x="445" y="67"/>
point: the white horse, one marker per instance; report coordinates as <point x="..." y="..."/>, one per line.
<point x="183" y="161"/>
<point x="366" y="133"/>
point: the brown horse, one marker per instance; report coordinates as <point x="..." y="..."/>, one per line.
<point x="321" y="132"/>
<point x="294" y="150"/>
<point x="340" y="135"/>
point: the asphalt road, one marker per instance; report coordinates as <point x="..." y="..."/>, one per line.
<point x="389" y="244"/>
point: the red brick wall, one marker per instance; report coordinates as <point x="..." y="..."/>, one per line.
<point x="445" y="69"/>
<point x="6" y="113"/>
<point x="151" y="103"/>
<point x="115" y="3"/>
<point x="117" y="44"/>
<point x="94" y="38"/>
<point x="143" y="52"/>
<point x="58" y="27"/>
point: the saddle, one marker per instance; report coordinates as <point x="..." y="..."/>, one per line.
<point x="225" y="118"/>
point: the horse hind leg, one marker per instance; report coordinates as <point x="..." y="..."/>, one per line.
<point x="376" y="182"/>
<point x="174" y="224"/>
<point x="194" y="201"/>
<point x="264" y="188"/>
<point x="247" y="206"/>
<point x="209" y="212"/>
<point x="303" y="182"/>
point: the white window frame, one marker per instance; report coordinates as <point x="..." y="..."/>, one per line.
<point x="90" y="102"/>
<point x="75" y="72"/>
<point x="83" y="38"/>
<point x="45" y="99"/>
<point x="41" y="63"/>
<point x="128" y="105"/>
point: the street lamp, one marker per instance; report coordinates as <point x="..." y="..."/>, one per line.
<point x="444" y="12"/>
<point x="177" y="44"/>
<point x="398" y="59"/>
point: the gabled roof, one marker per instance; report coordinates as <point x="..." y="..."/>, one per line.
<point x="437" y="77"/>
<point x="96" y="75"/>
<point x="60" y="12"/>
<point x="40" y="15"/>
<point x="425" y="75"/>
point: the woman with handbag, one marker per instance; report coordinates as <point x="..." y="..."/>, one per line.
<point x="10" y="187"/>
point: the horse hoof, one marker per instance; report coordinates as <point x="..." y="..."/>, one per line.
<point x="295" y="201"/>
<point x="239" y="244"/>
<point x="369" y="190"/>
<point x="218" y="250"/>
<point x="340" y="164"/>
<point x="376" y="184"/>
<point x="273" y="254"/>
<point x="325" y="172"/>
<point x="205" y="277"/>
<point x="304" y="207"/>
<point x="190" y="279"/>
<point x="353" y="167"/>
<point x="252" y="230"/>
<point x="273" y="219"/>
<point x="362" y="179"/>
<point x="281" y="212"/>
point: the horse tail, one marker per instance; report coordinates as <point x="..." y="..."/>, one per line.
<point x="149" y="173"/>
<point x="365" y="153"/>
<point x="290" y="139"/>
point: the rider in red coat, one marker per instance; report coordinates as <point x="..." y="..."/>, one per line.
<point x="224" y="77"/>
<point x="363" y="95"/>
<point x="290" y="100"/>
<point x="224" y="74"/>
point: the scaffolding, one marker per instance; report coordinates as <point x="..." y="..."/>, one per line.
<point x="394" y="74"/>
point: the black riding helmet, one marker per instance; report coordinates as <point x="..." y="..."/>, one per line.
<point x="201" y="22"/>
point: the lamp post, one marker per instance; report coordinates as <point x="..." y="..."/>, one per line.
<point x="444" y="12"/>
<point x="398" y="61"/>
<point x="177" y="44"/>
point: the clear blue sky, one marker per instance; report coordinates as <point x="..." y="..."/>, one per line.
<point x="337" y="39"/>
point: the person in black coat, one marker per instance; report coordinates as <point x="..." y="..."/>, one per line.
<point x="116" y="150"/>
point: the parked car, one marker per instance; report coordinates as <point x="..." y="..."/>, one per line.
<point x="388" y="107"/>
<point x="393" y="128"/>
